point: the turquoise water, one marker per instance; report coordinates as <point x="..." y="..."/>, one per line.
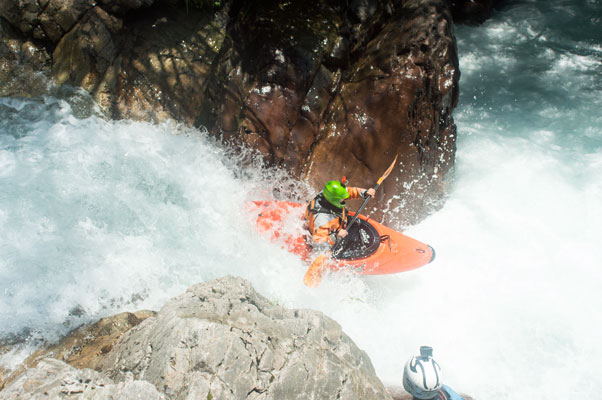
<point x="98" y="217"/>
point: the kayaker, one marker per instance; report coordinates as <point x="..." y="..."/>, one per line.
<point x="326" y="214"/>
<point x="422" y="378"/>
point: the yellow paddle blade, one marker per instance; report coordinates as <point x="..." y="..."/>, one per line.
<point x="387" y="172"/>
<point x="316" y="270"/>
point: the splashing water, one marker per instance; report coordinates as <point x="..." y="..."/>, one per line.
<point x="97" y="217"/>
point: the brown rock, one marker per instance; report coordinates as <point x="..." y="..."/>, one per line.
<point x="398" y="99"/>
<point x="22" y="65"/>
<point x="86" y="346"/>
<point x="323" y="91"/>
<point x="153" y="69"/>
<point x="8" y="344"/>
<point x="44" y="20"/>
<point x="271" y="88"/>
<point x="390" y="91"/>
<point x="3" y="376"/>
<point x="84" y="56"/>
<point x="23" y="14"/>
<point x="59" y="16"/>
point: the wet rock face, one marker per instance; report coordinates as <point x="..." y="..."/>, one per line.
<point x="151" y="68"/>
<point x="47" y="19"/>
<point x="335" y="89"/>
<point x="273" y="89"/>
<point x="22" y="64"/>
<point x="85" y="55"/>
<point x="381" y="80"/>
<point x="397" y="99"/>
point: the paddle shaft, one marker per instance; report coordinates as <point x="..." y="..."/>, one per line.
<point x="361" y="208"/>
<point x="335" y="248"/>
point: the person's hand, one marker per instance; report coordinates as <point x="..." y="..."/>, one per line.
<point x="342" y="233"/>
<point x="371" y="192"/>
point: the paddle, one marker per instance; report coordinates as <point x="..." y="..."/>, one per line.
<point x="314" y="273"/>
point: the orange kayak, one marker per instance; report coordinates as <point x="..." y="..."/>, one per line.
<point x="370" y="248"/>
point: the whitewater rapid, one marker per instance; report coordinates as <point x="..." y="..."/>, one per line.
<point x="99" y="216"/>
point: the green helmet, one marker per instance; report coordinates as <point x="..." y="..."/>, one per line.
<point x="334" y="192"/>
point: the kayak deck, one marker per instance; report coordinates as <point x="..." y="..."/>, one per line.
<point x="394" y="252"/>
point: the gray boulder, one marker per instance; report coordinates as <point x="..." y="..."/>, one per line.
<point x="223" y="340"/>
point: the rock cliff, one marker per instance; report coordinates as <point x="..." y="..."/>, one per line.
<point x="335" y="89"/>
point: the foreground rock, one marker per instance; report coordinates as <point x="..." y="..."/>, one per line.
<point x="85" y="347"/>
<point x="82" y="348"/>
<point x="219" y="340"/>
<point x="54" y="379"/>
<point x="224" y="340"/>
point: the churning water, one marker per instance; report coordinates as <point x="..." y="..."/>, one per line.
<point x="98" y="217"/>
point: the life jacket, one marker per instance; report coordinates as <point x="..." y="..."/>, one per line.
<point x="320" y="212"/>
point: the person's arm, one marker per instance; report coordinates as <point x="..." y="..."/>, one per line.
<point x="356" y="193"/>
<point x="360" y="193"/>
